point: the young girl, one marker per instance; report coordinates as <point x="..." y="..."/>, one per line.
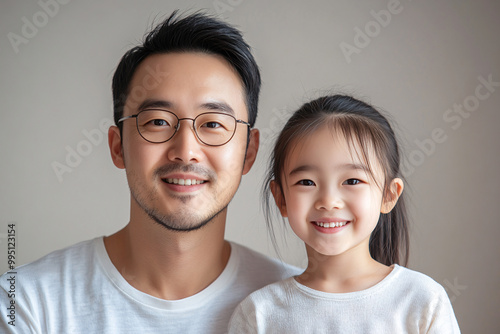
<point x="335" y="175"/>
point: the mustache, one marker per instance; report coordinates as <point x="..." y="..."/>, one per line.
<point x="177" y="167"/>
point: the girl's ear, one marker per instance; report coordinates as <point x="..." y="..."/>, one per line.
<point x="279" y="198"/>
<point x="394" y="190"/>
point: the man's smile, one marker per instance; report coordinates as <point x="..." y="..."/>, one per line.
<point x="183" y="182"/>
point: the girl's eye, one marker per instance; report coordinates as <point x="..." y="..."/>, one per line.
<point x="306" y="182"/>
<point x="352" y="182"/>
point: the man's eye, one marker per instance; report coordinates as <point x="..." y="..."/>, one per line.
<point x="212" y="125"/>
<point x="352" y="182"/>
<point x="306" y="183"/>
<point x="159" y="122"/>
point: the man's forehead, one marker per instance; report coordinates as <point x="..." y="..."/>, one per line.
<point x="160" y="66"/>
<point x="204" y="80"/>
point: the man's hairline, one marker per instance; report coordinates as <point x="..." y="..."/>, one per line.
<point x="187" y="51"/>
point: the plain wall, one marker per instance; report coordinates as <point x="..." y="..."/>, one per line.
<point x="422" y="65"/>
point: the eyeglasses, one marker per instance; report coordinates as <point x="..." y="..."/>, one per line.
<point x="211" y="128"/>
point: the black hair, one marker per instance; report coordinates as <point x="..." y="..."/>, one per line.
<point x="197" y="32"/>
<point x="364" y="128"/>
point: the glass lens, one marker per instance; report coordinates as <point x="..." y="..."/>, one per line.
<point x="156" y="125"/>
<point x="215" y="128"/>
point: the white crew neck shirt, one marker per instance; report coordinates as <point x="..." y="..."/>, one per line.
<point x="79" y="290"/>
<point x="405" y="301"/>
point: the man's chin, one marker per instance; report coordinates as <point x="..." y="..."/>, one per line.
<point x="184" y="224"/>
<point x="181" y="228"/>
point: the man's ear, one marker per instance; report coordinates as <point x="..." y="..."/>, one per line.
<point x="115" y="146"/>
<point x="394" y="190"/>
<point x="279" y="198"/>
<point x="252" y="149"/>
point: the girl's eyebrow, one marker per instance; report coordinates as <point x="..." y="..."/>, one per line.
<point x="309" y="168"/>
<point x="356" y="167"/>
<point x="303" y="168"/>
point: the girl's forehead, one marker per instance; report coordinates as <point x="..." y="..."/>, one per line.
<point x="324" y="143"/>
<point x="327" y="149"/>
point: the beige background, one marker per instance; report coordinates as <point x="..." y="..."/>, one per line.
<point x="417" y="65"/>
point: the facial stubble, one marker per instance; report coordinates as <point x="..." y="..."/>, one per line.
<point x="146" y="198"/>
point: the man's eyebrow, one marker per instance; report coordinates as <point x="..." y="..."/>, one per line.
<point x="218" y="106"/>
<point x="163" y="104"/>
<point x="151" y="104"/>
<point x="309" y="168"/>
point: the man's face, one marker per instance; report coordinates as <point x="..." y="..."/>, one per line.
<point x="182" y="183"/>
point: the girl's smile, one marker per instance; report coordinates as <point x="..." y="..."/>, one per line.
<point x="331" y="199"/>
<point x="327" y="225"/>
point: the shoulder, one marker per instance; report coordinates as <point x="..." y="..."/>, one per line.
<point x="420" y="290"/>
<point x="416" y="281"/>
<point x="255" y="264"/>
<point x="253" y="270"/>
<point x="426" y="300"/>
<point x="277" y="293"/>
<point x="259" y="308"/>
<point x="57" y="264"/>
<point x="52" y="286"/>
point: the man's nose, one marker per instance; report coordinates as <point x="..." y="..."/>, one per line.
<point x="185" y="145"/>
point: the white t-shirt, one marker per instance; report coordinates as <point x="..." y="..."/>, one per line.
<point x="78" y="290"/>
<point x="403" y="302"/>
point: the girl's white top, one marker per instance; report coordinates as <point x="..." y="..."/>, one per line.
<point x="404" y="302"/>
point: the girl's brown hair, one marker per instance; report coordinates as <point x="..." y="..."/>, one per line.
<point x="364" y="129"/>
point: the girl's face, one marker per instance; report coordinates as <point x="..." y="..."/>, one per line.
<point x="331" y="201"/>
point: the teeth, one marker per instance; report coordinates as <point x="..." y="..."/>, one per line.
<point x="184" y="182"/>
<point x="332" y="224"/>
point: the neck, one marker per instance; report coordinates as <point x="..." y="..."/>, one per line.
<point x="169" y="264"/>
<point x="353" y="270"/>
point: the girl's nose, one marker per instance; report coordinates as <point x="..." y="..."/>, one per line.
<point x="329" y="200"/>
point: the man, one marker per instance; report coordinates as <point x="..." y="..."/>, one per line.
<point x="185" y="103"/>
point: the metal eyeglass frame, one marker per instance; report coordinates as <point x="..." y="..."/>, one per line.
<point x="178" y="125"/>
